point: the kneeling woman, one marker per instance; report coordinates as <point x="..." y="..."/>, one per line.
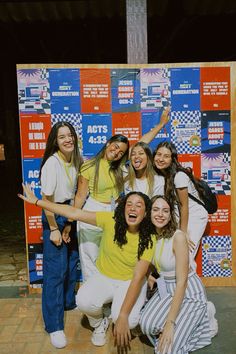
<point x="125" y="253"/>
<point x="175" y="319"/>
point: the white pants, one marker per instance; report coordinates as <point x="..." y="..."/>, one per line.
<point x="99" y="290"/>
<point x="89" y="238"/>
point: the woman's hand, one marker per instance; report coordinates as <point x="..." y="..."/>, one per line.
<point x="151" y="281"/>
<point x="29" y="196"/>
<point x="121" y="332"/>
<point x="165" y="116"/>
<point x="55" y="237"/>
<point x="166" y="338"/>
<point x="66" y="234"/>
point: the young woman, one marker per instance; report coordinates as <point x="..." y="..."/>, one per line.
<point x="140" y="173"/>
<point x="176" y="321"/>
<point x="101" y="180"/>
<point x="125" y="253"/>
<point x="58" y="174"/>
<point x="179" y="181"/>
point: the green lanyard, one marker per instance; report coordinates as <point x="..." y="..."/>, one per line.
<point x="66" y="167"/>
<point x="157" y="261"/>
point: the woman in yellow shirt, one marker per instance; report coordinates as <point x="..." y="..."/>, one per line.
<point x="126" y="251"/>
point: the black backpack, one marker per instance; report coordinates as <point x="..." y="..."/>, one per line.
<point x="209" y="200"/>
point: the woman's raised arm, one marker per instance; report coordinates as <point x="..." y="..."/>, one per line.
<point x="61" y="209"/>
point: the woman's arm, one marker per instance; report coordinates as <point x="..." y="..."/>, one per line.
<point x="181" y="251"/>
<point x="68" y="211"/>
<point x="149" y="136"/>
<point x="121" y="329"/>
<point x="82" y="192"/>
<point x="183" y="197"/>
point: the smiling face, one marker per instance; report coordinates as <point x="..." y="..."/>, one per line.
<point x="163" y="158"/>
<point x="65" y="141"/>
<point x="138" y="158"/>
<point x="135" y="211"/>
<point x="160" y="213"/>
<point x="115" y="151"/>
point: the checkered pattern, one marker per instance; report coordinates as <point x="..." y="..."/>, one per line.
<point x="214" y="250"/>
<point x="74" y="119"/>
<point x="44" y="74"/>
<point x="189" y="120"/>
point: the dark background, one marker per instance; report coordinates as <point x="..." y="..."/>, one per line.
<point x="89" y="31"/>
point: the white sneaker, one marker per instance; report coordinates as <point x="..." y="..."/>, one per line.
<point x="58" y="339"/>
<point x="99" y="334"/>
<point x="213" y="323"/>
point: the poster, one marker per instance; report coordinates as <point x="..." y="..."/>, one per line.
<point x="102" y="101"/>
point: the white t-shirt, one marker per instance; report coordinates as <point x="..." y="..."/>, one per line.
<point x="58" y="179"/>
<point x="182" y="180"/>
<point x="141" y="185"/>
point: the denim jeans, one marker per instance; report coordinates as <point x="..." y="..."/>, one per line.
<point x="59" y="276"/>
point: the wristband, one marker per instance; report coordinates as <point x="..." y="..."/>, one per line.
<point x="36" y="203"/>
<point x="54" y="229"/>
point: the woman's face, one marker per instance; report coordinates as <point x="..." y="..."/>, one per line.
<point x="115" y="151"/>
<point x="65" y="140"/>
<point x="160" y="213"/>
<point x="162" y="159"/>
<point x="135" y="211"/>
<point x="138" y="158"/>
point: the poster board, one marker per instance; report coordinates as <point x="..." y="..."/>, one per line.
<point x="103" y="100"/>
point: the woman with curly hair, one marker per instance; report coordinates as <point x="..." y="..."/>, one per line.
<point x="176" y="321"/>
<point x="125" y="253"/>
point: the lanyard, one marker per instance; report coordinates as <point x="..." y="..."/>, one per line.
<point x="66" y="168"/>
<point x="157" y="261"/>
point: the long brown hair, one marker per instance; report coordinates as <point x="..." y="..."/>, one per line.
<point x="170" y="172"/>
<point x="115" y="166"/>
<point x="52" y="146"/>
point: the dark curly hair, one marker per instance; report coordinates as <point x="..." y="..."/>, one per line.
<point x="170" y="172"/>
<point x="145" y="227"/>
<point x="169" y="229"/>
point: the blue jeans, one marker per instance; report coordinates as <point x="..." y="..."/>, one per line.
<point x="59" y="276"/>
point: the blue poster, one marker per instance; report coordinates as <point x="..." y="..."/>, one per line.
<point x="36" y="269"/>
<point x="64" y="90"/>
<point x="215" y="131"/>
<point x="149" y="120"/>
<point x="125" y="90"/>
<point x="186" y="131"/>
<point x="31" y="169"/>
<point x="216" y="256"/>
<point x="96" y="130"/>
<point x="185" y="89"/>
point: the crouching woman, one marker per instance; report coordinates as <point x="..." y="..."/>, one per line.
<point x="175" y="319"/>
<point x="125" y="253"/>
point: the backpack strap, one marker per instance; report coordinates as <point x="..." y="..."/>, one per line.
<point x="196" y="200"/>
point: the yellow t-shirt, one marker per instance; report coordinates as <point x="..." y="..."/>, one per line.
<point x="106" y="181"/>
<point x="113" y="261"/>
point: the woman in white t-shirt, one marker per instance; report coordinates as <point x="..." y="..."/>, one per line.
<point x="58" y="175"/>
<point x="140" y="175"/>
<point x="179" y="183"/>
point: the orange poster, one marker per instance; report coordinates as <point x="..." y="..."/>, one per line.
<point x="220" y="222"/>
<point x="33" y="223"/>
<point x="128" y="124"/>
<point x="95" y="86"/>
<point x="215" y="88"/>
<point x="193" y="161"/>
<point x="34" y="130"/>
